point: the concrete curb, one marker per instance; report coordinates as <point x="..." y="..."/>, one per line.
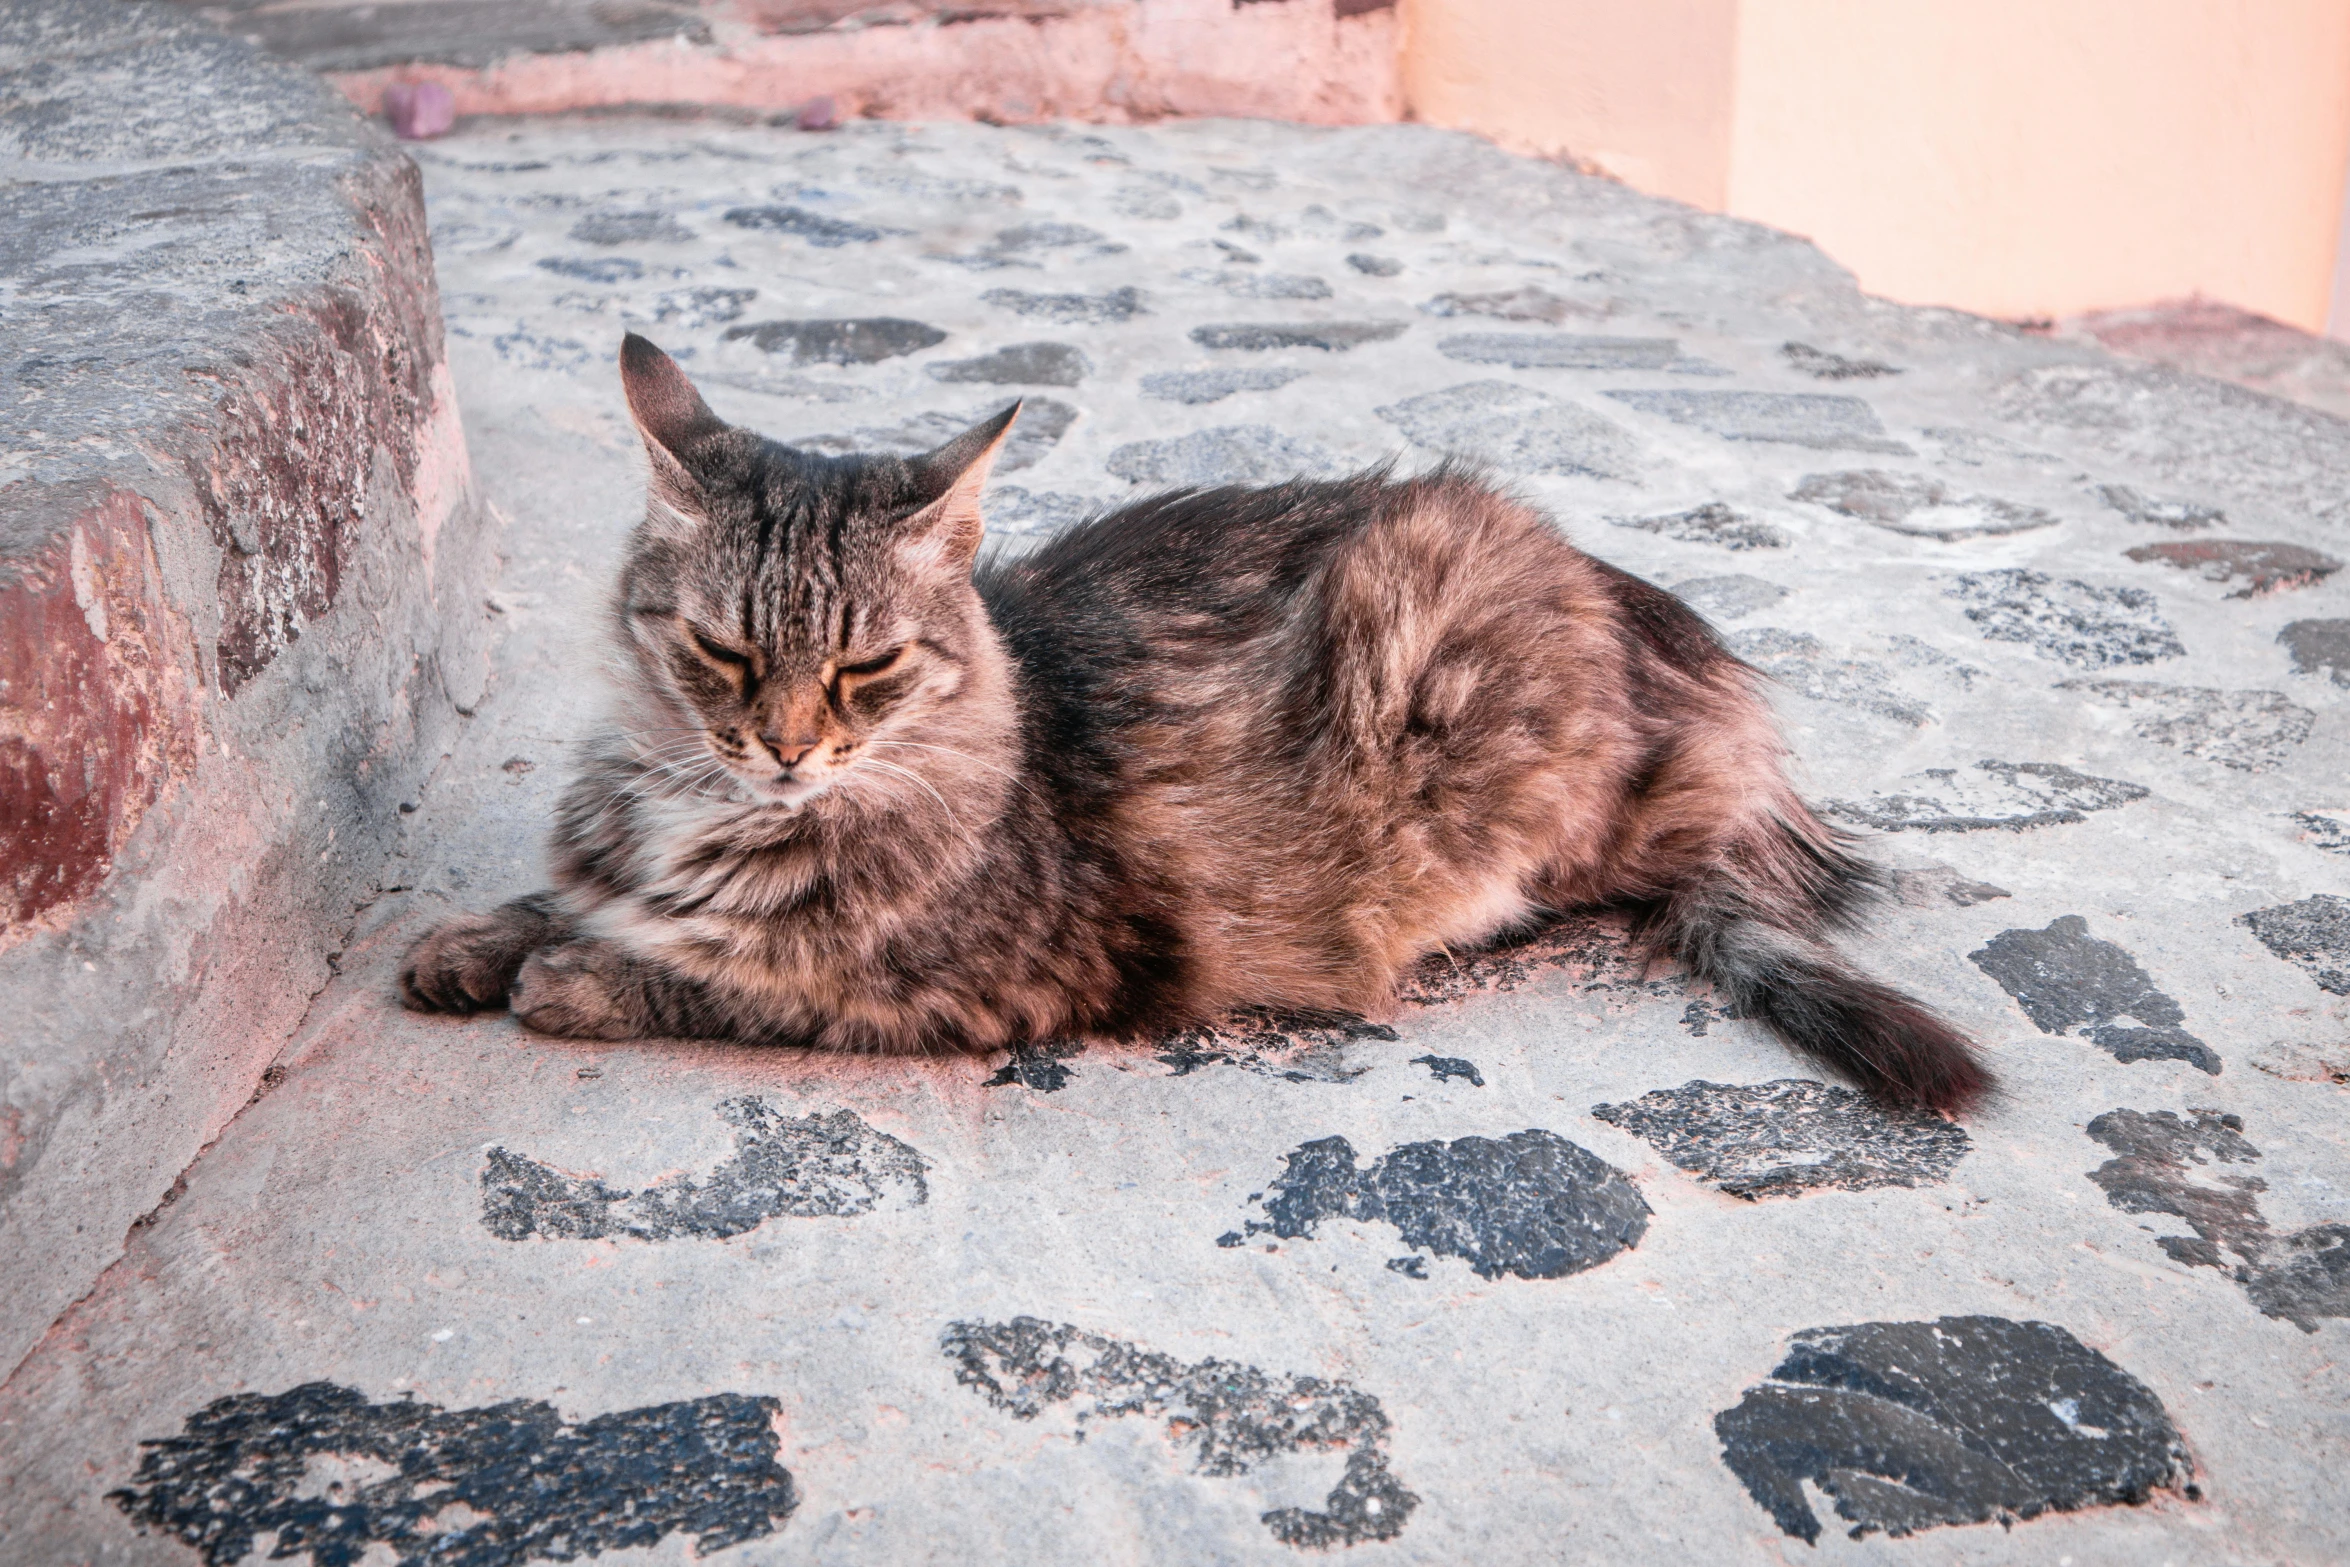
<point x="241" y="585"/>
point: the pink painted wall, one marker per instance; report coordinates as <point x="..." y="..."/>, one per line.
<point x="2014" y="157"/>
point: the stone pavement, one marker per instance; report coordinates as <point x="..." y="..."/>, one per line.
<point x="1558" y="1263"/>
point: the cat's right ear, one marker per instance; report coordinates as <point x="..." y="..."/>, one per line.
<point x="672" y="418"/>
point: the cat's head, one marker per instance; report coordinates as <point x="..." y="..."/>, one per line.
<point x="801" y="621"/>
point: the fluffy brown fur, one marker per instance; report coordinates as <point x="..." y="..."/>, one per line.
<point x="1219" y="748"/>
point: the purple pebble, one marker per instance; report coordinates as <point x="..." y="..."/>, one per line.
<point x="819" y="114"/>
<point x="419" y="111"/>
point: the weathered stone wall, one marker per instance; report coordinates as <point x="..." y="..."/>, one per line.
<point x="241" y="584"/>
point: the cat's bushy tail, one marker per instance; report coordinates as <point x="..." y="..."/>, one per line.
<point x="1754" y="926"/>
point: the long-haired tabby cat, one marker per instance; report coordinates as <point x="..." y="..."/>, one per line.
<point x="1220" y="748"/>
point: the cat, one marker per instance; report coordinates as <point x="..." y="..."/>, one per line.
<point x="1218" y="749"/>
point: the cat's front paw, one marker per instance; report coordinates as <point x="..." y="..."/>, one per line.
<point x="463" y="965"/>
<point x="576" y="991"/>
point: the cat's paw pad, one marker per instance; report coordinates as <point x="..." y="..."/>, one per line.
<point x="571" y="991"/>
<point x="462" y="965"/>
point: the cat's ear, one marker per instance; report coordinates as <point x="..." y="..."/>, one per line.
<point x="670" y="415"/>
<point x="947" y="530"/>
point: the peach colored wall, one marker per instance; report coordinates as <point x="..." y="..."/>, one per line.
<point x="2014" y="157"/>
<point x="1640" y="89"/>
<point x="2045" y="157"/>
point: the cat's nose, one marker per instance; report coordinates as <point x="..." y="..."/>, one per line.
<point x="789" y="752"/>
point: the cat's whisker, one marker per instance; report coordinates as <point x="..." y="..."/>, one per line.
<point x="976" y="761"/>
<point x="921" y="782"/>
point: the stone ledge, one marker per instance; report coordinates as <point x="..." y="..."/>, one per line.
<point x="241" y="577"/>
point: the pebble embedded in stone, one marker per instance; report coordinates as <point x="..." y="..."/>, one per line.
<point x="1210" y="386"/>
<point x="2261" y="568"/>
<point x="2074" y="622"/>
<point x="2249" y="731"/>
<point x="1237" y="1415"/>
<point x="2183" y="516"/>
<point x="782" y="1166"/>
<point x="630" y="228"/>
<point x="1042" y="423"/>
<point x="1375" y="266"/>
<point x="1784" y="1138"/>
<point x="2070" y="983"/>
<point x="693" y="308"/>
<point x="1263" y="285"/>
<point x="1712" y="523"/>
<point x="1292" y="1046"/>
<point x="1527" y="303"/>
<point x="507" y="1483"/>
<point x="1446" y="1069"/>
<point x="1728" y="598"/>
<point x="2328" y="830"/>
<point x="1334" y="337"/>
<point x="1916" y="1425"/>
<point x="1805" y="664"/>
<point x="818" y="230"/>
<point x="1228" y="454"/>
<point x="2313" y="933"/>
<point x="1991" y="796"/>
<point x="2319" y="647"/>
<point x="1560" y="351"/>
<point x="866" y="340"/>
<point x="1013" y="510"/>
<point x="1532" y="1204"/>
<point x="1515" y="428"/>
<point x="1821" y="365"/>
<point x="1119" y="304"/>
<point x="594" y="269"/>
<point x="1918" y="504"/>
<point x="1940" y="887"/>
<point x="1031" y="364"/>
<point x="2299" y="1277"/>
<point x="1818" y="419"/>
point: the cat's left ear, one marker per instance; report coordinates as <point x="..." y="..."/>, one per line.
<point x="947" y="530"/>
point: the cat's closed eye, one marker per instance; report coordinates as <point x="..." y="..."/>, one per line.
<point x="719" y="653"/>
<point x="880" y="663"/>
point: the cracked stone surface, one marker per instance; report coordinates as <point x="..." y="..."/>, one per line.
<point x="1008" y="1307"/>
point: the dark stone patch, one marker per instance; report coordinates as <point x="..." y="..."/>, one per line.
<point x="1037" y="1065"/>
<point x="1375" y="266"/>
<point x="630" y="228"/>
<point x="1712" y="523"/>
<point x="2070" y="983"/>
<point x="1803" y="663"/>
<point x="1295" y="1047"/>
<point x="1821" y="365"/>
<point x="1335" y="337"/>
<point x="1412" y="1267"/>
<point x="1819" y="419"/>
<point x="1940" y="887"/>
<point x="1529" y="303"/>
<point x="1515" y="428"/>
<point x="1993" y="796"/>
<point x="1228" y="454"/>
<point x="2314" y="933"/>
<point x="1595" y="953"/>
<point x="594" y="269"/>
<point x="1046" y="236"/>
<point x="2185" y="516"/>
<point x="2072" y="621"/>
<point x="525" y="1484"/>
<point x="2299" y="1277"/>
<point x="1011" y="509"/>
<point x="1042" y="423"/>
<point x="1700" y="1015"/>
<point x="1914" y="1425"/>
<point x="529" y="351"/>
<point x="1262" y="285"/>
<point x="1237" y="1415"/>
<point x="700" y="307"/>
<point x="2325" y="830"/>
<point x="2250" y="731"/>
<point x="1531" y="1204"/>
<point x="793" y="1166"/>
<point x="1728" y="598"/>
<point x="1785" y="1138"/>
<point x="1033" y="364"/>
<point x="859" y="341"/>
<point x="1208" y="386"/>
<point x="1560" y="351"/>
<point x="1918" y="504"/>
<point x="2319" y="647"/>
<point x="1119" y="304"/>
<point x="2261" y="567"/>
<point x="1446" y="1068"/>
<point x="823" y="232"/>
